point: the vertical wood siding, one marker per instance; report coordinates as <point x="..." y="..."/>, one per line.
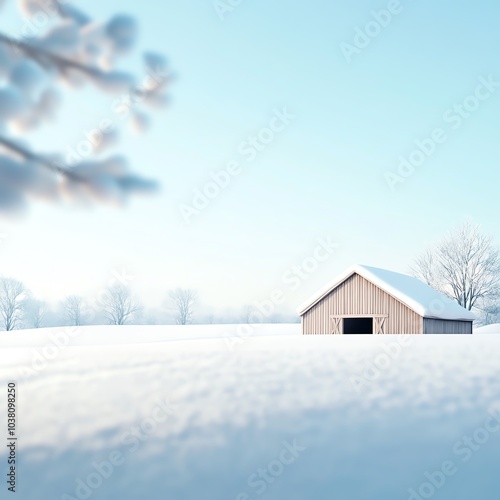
<point x="447" y="326"/>
<point x="357" y="295"/>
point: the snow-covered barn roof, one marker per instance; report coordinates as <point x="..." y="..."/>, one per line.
<point x="412" y="292"/>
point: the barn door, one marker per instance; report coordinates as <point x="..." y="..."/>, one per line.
<point x="378" y="325"/>
<point x="336" y="322"/>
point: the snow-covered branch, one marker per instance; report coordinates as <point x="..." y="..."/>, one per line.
<point x="69" y="50"/>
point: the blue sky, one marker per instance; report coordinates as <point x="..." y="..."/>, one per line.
<point x="320" y="177"/>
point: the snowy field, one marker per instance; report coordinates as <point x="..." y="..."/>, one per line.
<point x="187" y="413"/>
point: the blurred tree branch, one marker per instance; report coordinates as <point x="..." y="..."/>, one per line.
<point x="70" y="49"/>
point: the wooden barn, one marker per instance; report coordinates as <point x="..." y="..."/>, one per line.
<point x="369" y="300"/>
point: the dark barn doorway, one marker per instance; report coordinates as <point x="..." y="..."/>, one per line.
<point x="358" y="325"/>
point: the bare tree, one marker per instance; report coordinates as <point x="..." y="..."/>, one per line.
<point x="69" y="49"/>
<point x="35" y="312"/>
<point x="424" y="268"/>
<point x="182" y="302"/>
<point x="73" y="310"/>
<point x="119" y="305"/>
<point x="247" y="313"/>
<point x="12" y="297"/>
<point x="490" y="313"/>
<point x="465" y="266"/>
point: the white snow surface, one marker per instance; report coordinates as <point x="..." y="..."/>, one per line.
<point x="417" y="295"/>
<point x="92" y="335"/>
<point x="370" y="417"/>
<point x="489" y="329"/>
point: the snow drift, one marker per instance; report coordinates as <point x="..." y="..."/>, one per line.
<point x="495" y="328"/>
<point x="139" y="415"/>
